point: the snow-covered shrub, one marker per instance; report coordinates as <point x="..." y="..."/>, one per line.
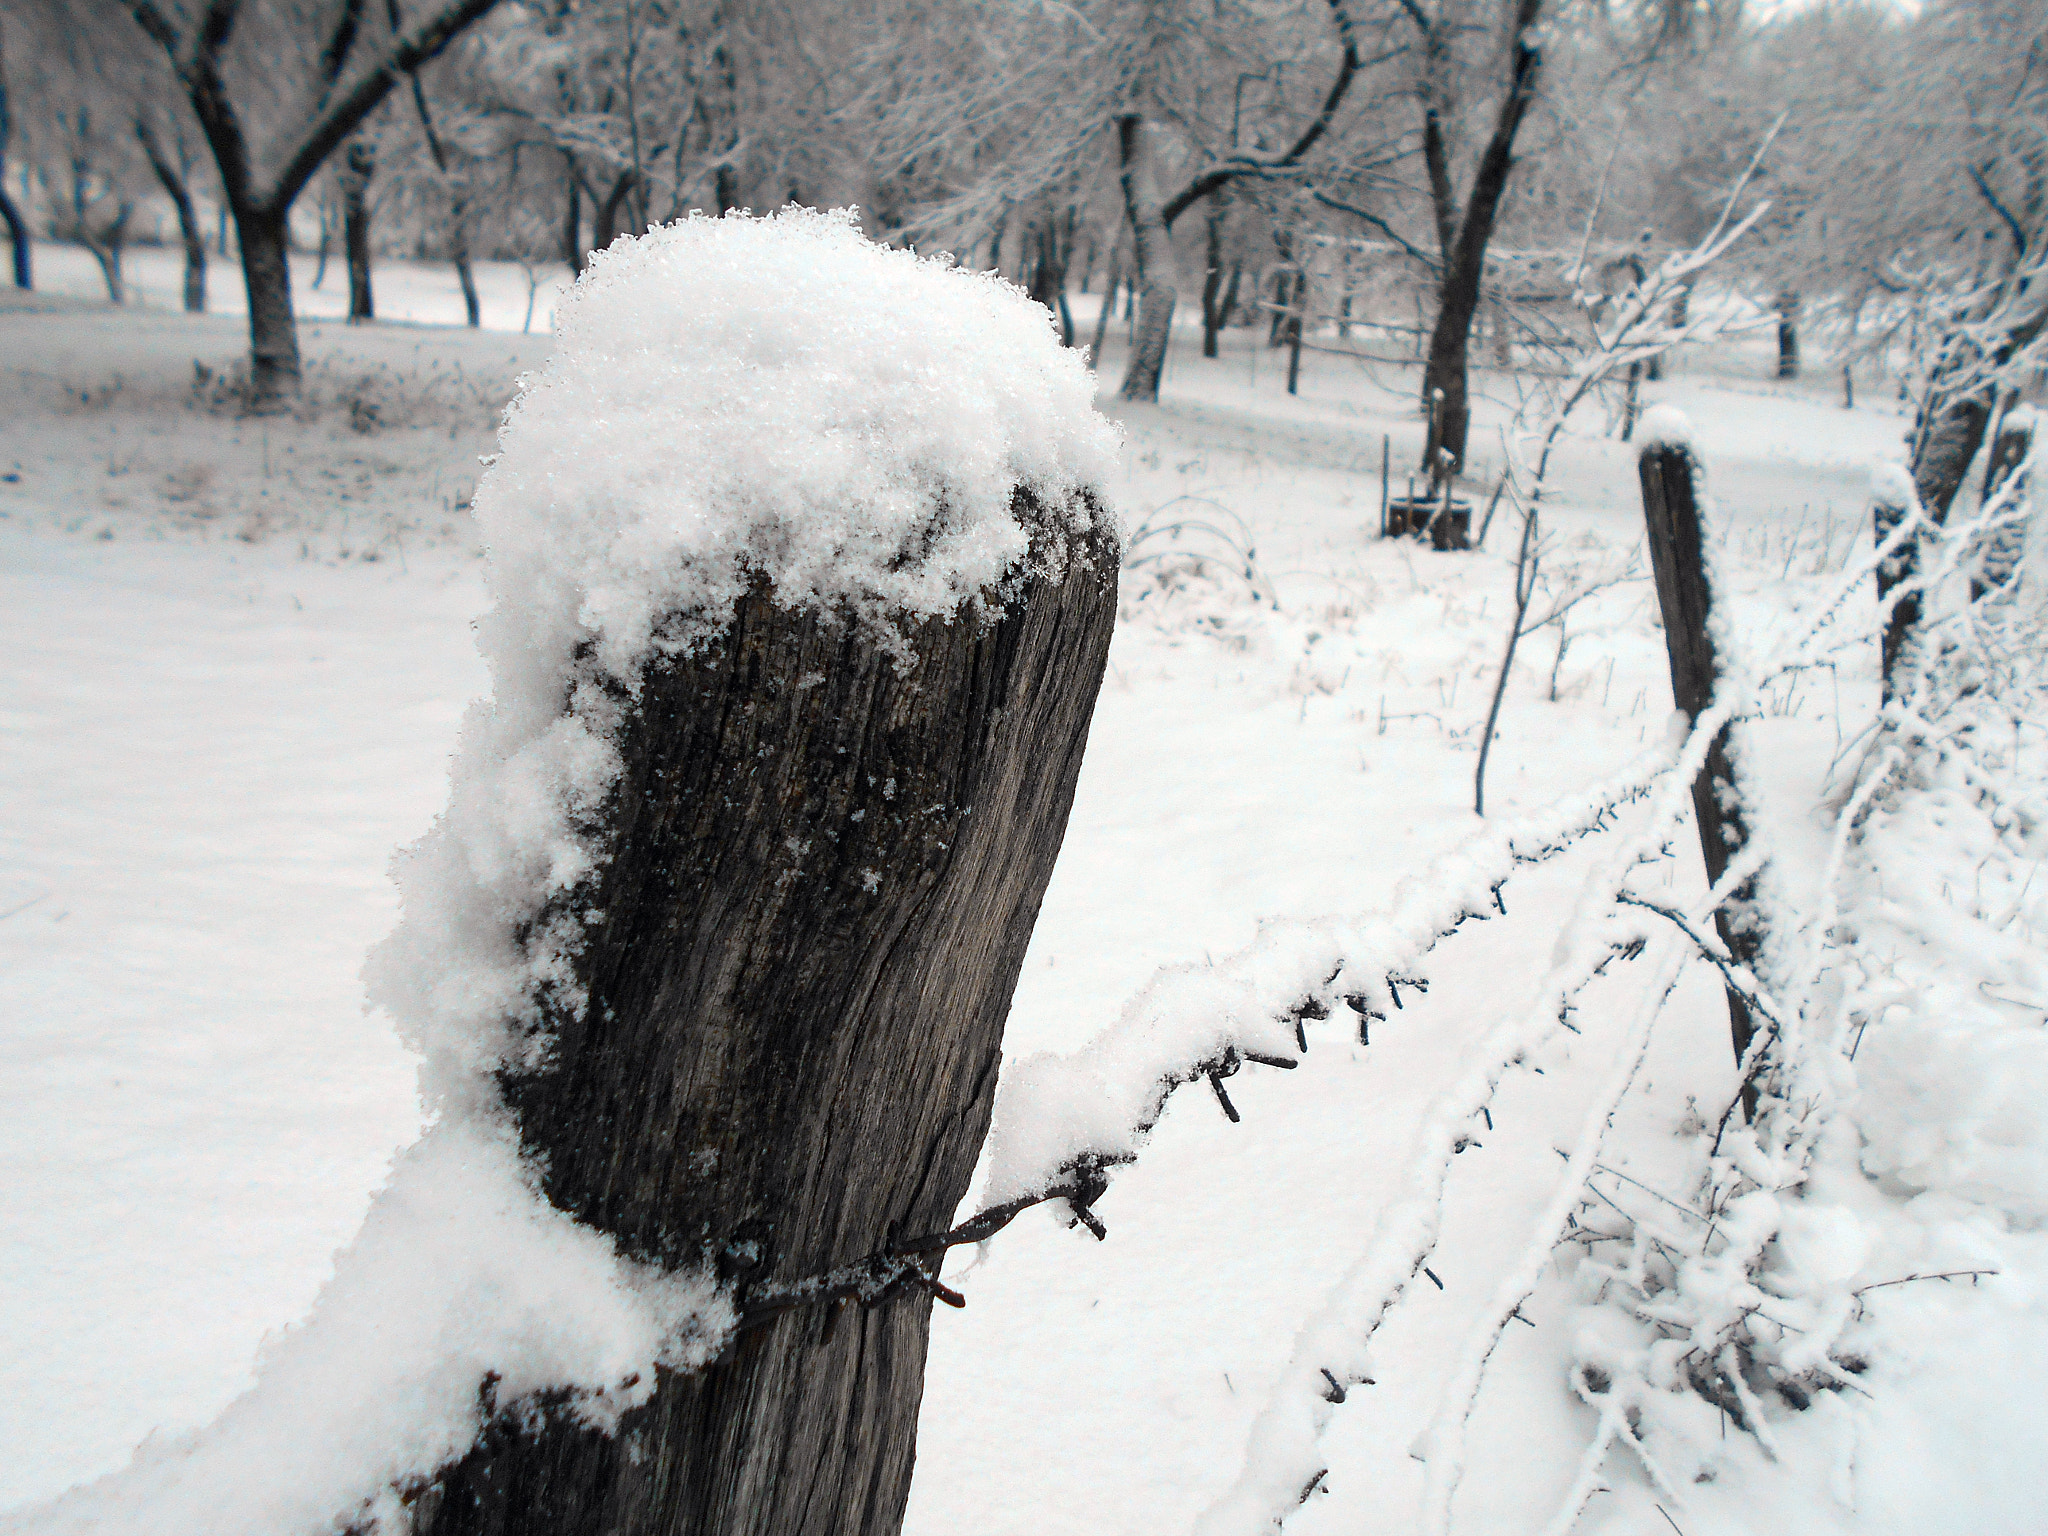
<point x="1191" y="567"/>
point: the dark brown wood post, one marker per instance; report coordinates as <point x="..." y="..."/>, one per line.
<point x="1671" y="514"/>
<point x="1889" y="505"/>
<point x="822" y="870"/>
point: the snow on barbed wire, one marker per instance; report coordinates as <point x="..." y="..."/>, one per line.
<point x="1709" y="1300"/>
<point x="1094" y="1106"/>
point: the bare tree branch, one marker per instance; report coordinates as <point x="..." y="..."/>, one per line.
<point x="1430" y="263"/>
<point x="407" y="54"/>
<point x="2019" y="235"/>
<point x="1246" y="165"/>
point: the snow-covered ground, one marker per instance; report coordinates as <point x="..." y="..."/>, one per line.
<point x="239" y="652"/>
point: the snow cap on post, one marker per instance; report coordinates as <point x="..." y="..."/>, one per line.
<point x="1891" y="485"/>
<point x="729" y="400"/>
<point x="781" y="396"/>
<point x="1665" y="426"/>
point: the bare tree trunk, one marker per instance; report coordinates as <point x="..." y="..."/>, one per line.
<point x="1788" y="306"/>
<point x="572" y="219"/>
<point x="1445" y="374"/>
<point x="727" y="190"/>
<point x="458" y="205"/>
<point x="359" y="164"/>
<point x="188" y="219"/>
<point x="1049" y="271"/>
<point x="326" y="240"/>
<point x="1152" y="253"/>
<point x="1285" y="281"/>
<point x="17" y="233"/>
<point x="1212" y="279"/>
<point x="17" y="226"/>
<point x="788" y="1054"/>
<point x="605" y="229"/>
<point x="1108" y="310"/>
<point x="273" y="335"/>
<point x="106" y="245"/>
<point x="458" y="251"/>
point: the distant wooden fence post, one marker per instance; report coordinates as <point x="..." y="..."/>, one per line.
<point x="1887" y="510"/>
<point x="822" y="872"/>
<point x="1672" y="516"/>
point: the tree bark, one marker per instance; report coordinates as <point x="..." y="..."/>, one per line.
<point x="188" y="220"/>
<point x="1049" y="272"/>
<point x="17" y="227"/>
<point x="1445" y="373"/>
<point x="359" y="164"/>
<point x="1152" y="253"/>
<point x="266" y="277"/>
<point x="605" y="227"/>
<point x="458" y="252"/>
<point x="821" y="879"/>
<point x="458" y="204"/>
<point x="1677" y="559"/>
<point x="1212" y="281"/>
<point x="106" y="245"/>
<point x="1788" y="306"/>
<point x="572" y="219"/>
<point x="17" y="234"/>
<point x="1108" y="311"/>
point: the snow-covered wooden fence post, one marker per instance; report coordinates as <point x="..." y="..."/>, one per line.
<point x="1671" y="514"/>
<point x="1891" y="501"/>
<point x="838" y="775"/>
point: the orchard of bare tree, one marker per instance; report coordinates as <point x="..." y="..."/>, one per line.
<point x="1132" y="767"/>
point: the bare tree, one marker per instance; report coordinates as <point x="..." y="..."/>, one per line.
<point x="1464" y="225"/>
<point x="85" y="180"/>
<point x="174" y="171"/>
<point x="1152" y="216"/>
<point x="260" y="187"/>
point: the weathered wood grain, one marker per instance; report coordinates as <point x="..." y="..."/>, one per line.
<point x="824" y="870"/>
